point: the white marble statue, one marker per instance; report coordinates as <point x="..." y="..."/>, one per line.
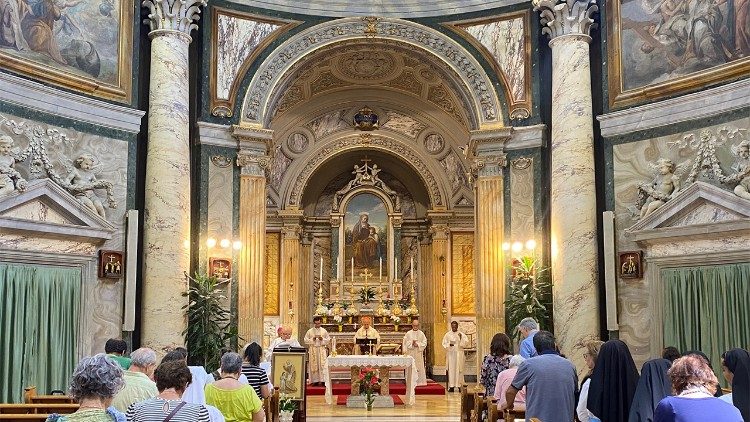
<point x="742" y="170"/>
<point x="81" y="182"/>
<point x="665" y="186"/>
<point x="10" y="178"/>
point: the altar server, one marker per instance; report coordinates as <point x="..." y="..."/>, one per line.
<point x="454" y="343"/>
<point x="413" y="345"/>
<point x="366" y="331"/>
<point x="316" y="340"/>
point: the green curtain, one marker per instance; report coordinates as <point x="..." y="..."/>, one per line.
<point x="708" y="309"/>
<point x="39" y="317"/>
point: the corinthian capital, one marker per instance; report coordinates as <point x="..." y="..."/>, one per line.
<point x="566" y="17"/>
<point x="252" y="163"/>
<point x="488" y="165"/>
<point x="173" y="15"/>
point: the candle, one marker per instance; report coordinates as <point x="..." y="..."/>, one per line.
<point x="380" y="269"/>
<point x="411" y="269"/>
<point x="338" y="272"/>
<point x="321" y="269"/>
<point x="352" y="269"/>
<point x="395" y="269"/>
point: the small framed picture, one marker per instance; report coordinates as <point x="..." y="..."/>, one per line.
<point x="288" y="373"/>
<point x="111" y="264"/>
<point x="334" y="291"/>
<point x="631" y="264"/>
<point x="220" y="268"/>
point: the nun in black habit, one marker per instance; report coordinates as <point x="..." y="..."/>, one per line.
<point x="613" y="383"/>
<point x="653" y="386"/>
<point x="737" y="362"/>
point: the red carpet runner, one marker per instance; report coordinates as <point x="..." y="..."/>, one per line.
<point x="344" y="388"/>
<point x="341" y="400"/>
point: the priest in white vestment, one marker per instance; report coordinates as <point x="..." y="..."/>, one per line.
<point x="366" y="331"/>
<point x="454" y="343"/>
<point x="413" y="345"/>
<point x="316" y="340"/>
<point x="284" y="339"/>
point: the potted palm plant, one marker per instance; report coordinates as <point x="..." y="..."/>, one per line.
<point x="530" y="293"/>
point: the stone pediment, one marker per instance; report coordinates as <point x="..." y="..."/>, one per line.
<point x="700" y="209"/>
<point x="45" y="209"/>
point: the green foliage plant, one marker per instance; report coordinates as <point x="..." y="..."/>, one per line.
<point x="530" y="294"/>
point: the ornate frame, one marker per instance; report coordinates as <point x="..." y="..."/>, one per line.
<point x="619" y="98"/>
<point x="518" y="109"/>
<point x="121" y="92"/>
<point x="221" y="107"/>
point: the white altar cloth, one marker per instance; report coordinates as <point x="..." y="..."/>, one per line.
<point x="349" y="361"/>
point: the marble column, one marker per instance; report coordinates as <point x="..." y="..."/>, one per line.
<point x="439" y="257"/>
<point x="291" y="280"/>
<point x="166" y="225"/>
<point x="573" y="194"/>
<point x="252" y="232"/>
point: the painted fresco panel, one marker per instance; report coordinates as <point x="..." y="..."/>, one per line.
<point x="271" y="289"/>
<point x="462" y="277"/>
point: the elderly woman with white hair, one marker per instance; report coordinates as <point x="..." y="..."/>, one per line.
<point x="235" y="400"/>
<point x="138" y="379"/>
<point x="504" y="379"/>
<point x="93" y="386"/>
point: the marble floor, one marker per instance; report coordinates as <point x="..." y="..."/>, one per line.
<point x="445" y="408"/>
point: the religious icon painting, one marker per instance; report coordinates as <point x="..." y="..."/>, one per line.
<point x="631" y="264"/>
<point x="288" y="373"/>
<point x="220" y="268"/>
<point x="366" y="225"/>
<point x="111" y="264"/>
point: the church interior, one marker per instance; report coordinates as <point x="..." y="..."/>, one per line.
<point x="205" y="173"/>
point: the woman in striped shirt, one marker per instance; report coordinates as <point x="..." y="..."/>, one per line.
<point x="172" y="378"/>
<point x="256" y="376"/>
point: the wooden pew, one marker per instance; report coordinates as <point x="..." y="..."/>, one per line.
<point x="38" y="408"/>
<point x="467" y="403"/>
<point x="273" y="406"/>
<point x="23" y="418"/>
<point x="480" y="405"/>
<point x="30" y="396"/>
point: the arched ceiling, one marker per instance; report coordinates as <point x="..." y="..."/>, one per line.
<point x="385" y="8"/>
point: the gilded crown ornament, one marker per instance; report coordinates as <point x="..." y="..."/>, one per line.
<point x="365" y="119"/>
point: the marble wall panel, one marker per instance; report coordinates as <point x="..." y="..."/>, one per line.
<point x="403" y="124"/>
<point x="329" y="123"/>
<point x="632" y="165"/>
<point x="62" y="146"/>
<point x="521" y="200"/>
<point x="462" y="274"/>
<point x="220" y="205"/>
<point x="238" y="39"/>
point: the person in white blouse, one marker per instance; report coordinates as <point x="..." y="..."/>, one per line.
<point x="592" y="352"/>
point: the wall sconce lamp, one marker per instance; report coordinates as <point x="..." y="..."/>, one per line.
<point x="223" y="243"/>
<point x="517" y="247"/>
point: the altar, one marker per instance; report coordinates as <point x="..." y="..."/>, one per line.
<point x="383" y="363"/>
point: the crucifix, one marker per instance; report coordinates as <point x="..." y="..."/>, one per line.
<point x="366" y="274"/>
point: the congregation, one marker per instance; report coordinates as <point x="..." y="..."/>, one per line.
<point x="539" y="380"/>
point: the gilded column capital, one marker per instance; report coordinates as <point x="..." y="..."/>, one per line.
<point x="293" y="231"/>
<point x="440" y="232"/>
<point x="252" y="163"/>
<point x="173" y="16"/>
<point x="489" y="165"/>
<point x="566" y="17"/>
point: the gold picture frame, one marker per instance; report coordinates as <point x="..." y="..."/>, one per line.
<point x="619" y="97"/>
<point x="288" y="373"/>
<point x="31" y="65"/>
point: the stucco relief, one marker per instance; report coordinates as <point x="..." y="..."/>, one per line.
<point x="366" y="65"/>
<point x="403" y="124"/>
<point x="329" y="123"/>
<point x="455" y="171"/>
<point x="277" y="167"/>
<point x="297" y="142"/>
<point x="434" y="143"/>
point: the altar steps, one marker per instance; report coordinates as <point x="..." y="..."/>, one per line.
<point x="399" y="388"/>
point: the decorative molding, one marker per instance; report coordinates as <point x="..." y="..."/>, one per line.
<point x="375" y="142"/>
<point x="488" y="166"/>
<point x="269" y="74"/>
<point x="34" y="95"/>
<point x="366" y="176"/>
<point x="522" y="163"/>
<point x="566" y="17"/>
<point x="221" y="161"/>
<point x="386" y="8"/>
<point x="173" y="16"/>
<point x="252" y="163"/>
<point x="524" y="137"/>
<point x="217" y="135"/>
<point x="699" y="105"/>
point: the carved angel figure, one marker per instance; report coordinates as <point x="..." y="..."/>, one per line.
<point x="742" y="170"/>
<point x="81" y="182"/>
<point x="665" y="186"/>
<point x="10" y="179"/>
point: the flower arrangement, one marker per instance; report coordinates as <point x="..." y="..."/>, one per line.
<point x="352" y="311"/>
<point x="287" y="404"/>
<point x="396" y="319"/>
<point x="338" y="319"/>
<point x="366" y="294"/>
<point x="411" y="311"/>
<point x="368" y="383"/>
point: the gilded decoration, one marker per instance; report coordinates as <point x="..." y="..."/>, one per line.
<point x="237" y="39"/>
<point x="88" y="49"/>
<point x="662" y="49"/>
<point x="271" y="286"/>
<point x="462" y="66"/>
<point x="505" y="42"/>
<point x="462" y="274"/>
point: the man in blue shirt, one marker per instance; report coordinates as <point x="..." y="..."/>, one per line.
<point x="528" y="328"/>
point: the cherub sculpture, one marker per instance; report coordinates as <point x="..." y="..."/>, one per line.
<point x="81" y="182"/>
<point x="742" y="170"/>
<point x="665" y="186"/>
<point x="10" y="178"/>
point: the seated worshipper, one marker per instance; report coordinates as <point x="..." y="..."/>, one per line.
<point x="284" y="340"/>
<point x="316" y="340"/>
<point x="454" y="342"/>
<point x="528" y="327"/>
<point x="138" y="384"/>
<point x="550" y="381"/>
<point x="736" y="367"/>
<point x="194" y="392"/>
<point x="592" y="352"/>
<point x="612" y="383"/>
<point x="115" y="349"/>
<point x="698" y="353"/>
<point x="670" y="353"/>
<point x="497" y="361"/>
<point x="504" y="379"/>
<point x="694" y="383"/>
<point x="413" y="345"/>
<point x="367" y="332"/>
<point x="256" y="376"/>
<point x="653" y="386"/>
<point x="171" y="379"/>
<point x="93" y="386"/>
<point x="236" y="401"/>
<point x="216" y="375"/>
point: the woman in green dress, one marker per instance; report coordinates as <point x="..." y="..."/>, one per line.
<point x="94" y="384"/>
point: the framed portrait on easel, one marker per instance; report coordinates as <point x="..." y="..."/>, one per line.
<point x="288" y="372"/>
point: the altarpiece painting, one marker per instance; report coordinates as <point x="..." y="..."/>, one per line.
<point x="366" y="234"/>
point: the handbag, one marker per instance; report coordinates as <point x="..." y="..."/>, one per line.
<point x="174" y="412"/>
